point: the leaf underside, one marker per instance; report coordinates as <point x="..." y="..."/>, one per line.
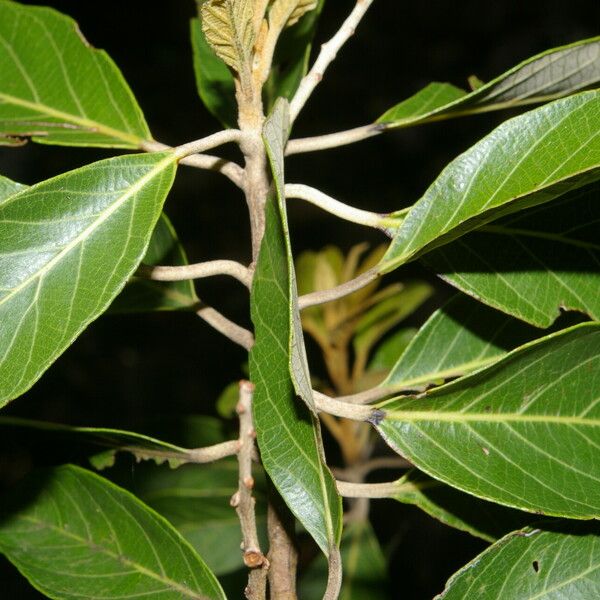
<point x="524" y="432"/>
<point x="57" y="89"/>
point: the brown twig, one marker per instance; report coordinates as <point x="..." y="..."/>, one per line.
<point x="244" y="502"/>
<point x="196" y="271"/>
<point x="225" y="326"/>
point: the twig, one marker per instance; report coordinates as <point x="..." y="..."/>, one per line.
<point x="370" y="395"/>
<point x="210" y="141"/>
<point x="283" y="555"/>
<point x="229" y="168"/>
<point x="334" y="140"/>
<point x="382" y="222"/>
<point x="321" y="297"/>
<point x="196" y="455"/>
<point x="197" y="271"/>
<point x="228" y="328"/>
<point x="244" y="502"/>
<point x="328" y="53"/>
<point x="368" y="490"/>
<point x="356" y="412"/>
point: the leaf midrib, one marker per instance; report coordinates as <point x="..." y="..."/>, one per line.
<point x="119" y="558"/>
<point x="409" y="416"/>
<point x="84" y="123"/>
<point x="105" y="215"/>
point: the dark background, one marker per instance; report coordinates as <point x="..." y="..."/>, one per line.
<point x="123" y="370"/>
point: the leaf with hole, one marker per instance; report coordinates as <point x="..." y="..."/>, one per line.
<point x="561" y="560"/>
<point x="527" y="161"/>
<point x="142" y="294"/>
<point x="461" y="337"/>
<point x="67" y="247"/>
<point x="57" y="89"/>
<point x="288" y="433"/>
<point x="546" y="76"/>
<point x="76" y="535"/>
<point x="534" y="263"/>
<point x="523" y="432"/>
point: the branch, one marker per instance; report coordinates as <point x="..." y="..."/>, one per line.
<point x="328" y="53"/>
<point x="368" y="396"/>
<point x="323" y="296"/>
<point x="210" y="141"/>
<point x="358" y="472"/>
<point x="356" y="412"/>
<point x="197" y="271"/>
<point x="383" y="222"/>
<point x="229" y="168"/>
<point x="243" y="501"/>
<point x="333" y="140"/>
<point x="368" y="490"/>
<point x="228" y="328"/>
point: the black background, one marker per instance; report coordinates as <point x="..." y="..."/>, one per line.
<point x="125" y="369"/>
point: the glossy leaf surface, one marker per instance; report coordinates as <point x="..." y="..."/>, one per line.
<point x="9" y="187"/>
<point x="557" y="72"/>
<point x="559" y="561"/>
<point x="74" y="534"/>
<point x="288" y="433"/>
<point x="528" y="160"/>
<point x="461" y="337"/>
<point x="67" y="247"/>
<point x="524" y="432"/>
<point x="57" y="89"/>
<point x="533" y="263"/>
<point x="141" y="294"/>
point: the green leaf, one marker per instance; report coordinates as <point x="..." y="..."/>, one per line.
<point x="57" y="89"/>
<point x="67" y="247"/>
<point x="8" y="188"/>
<point x="546" y="76"/>
<point x="534" y="263"/>
<point x="556" y="561"/>
<point x="527" y="161"/>
<point x="214" y="80"/>
<point x="288" y="433"/>
<point x="386" y="354"/>
<point x="143" y="447"/>
<point x="456" y="509"/>
<point x="76" y="535"/>
<point x="458" y="338"/>
<point x="143" y="295"/>
<point x="290" y="63"/>
<point x="523" y="432"/>
<point x="365" y="569"/>
<point x="195" y="499"/>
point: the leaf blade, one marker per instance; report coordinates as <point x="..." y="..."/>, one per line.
<point x="493" y="432"/>
<point x="528" y="160"/>
<point x="58" y="552"/>
<point x="537" y="79"/>
<point x="532" y="264"/>
<point x="59" y="268"/>
<point x="86" y="102"/>
<point x="528" y="561"/>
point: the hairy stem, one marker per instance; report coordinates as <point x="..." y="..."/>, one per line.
<point x="328" y="53"/>
<point x="226" y="327"/>
<point x="348" y="287"/>
<point x="368" y="490"/>
<point x="196" y="271"/>
<point x="337" y="208"/>
<point x="333" y="140"/>
<point x="356" y="412"/>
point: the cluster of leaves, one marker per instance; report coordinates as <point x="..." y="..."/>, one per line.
<point x="508" y="451"/>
